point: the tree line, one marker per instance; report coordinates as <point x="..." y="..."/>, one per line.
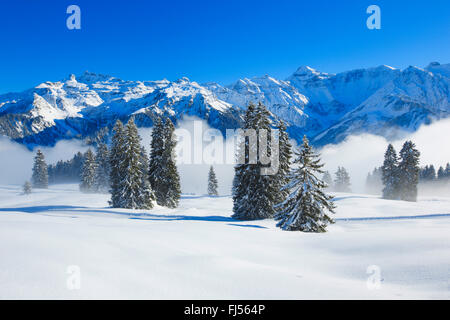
<point x="400" y="175"/>
<point x="341" y="182"/>
<point x="294" y="195"/>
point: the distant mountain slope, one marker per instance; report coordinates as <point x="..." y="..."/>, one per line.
<point x="326" y="107"/>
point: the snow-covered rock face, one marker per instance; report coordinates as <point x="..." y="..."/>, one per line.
<point x="326" y="107"/>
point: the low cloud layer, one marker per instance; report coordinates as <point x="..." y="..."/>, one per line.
<point x="361" y="154"/>
<point x="16" y="161"/>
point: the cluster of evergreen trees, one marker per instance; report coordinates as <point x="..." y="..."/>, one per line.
<point x="66" y="171"/>
<point x="136" y="181"/>
<point x="428" y="174"/>
<point x="400" y="174"/>
<point x="341" y="182"/>
<point x="294" y="195"/>
<point x="95" y="170"/>
<point x="124" y="170"/>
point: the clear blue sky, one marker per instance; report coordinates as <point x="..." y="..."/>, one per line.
<point x="214" y="40"/>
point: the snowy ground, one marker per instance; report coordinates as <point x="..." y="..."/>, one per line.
<point x="198" y="252"/>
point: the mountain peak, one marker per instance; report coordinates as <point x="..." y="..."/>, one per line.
<point x="89" y="77"/>
<point x="308" y="72"/>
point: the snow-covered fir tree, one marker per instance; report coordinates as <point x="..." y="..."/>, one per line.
<point x="102" y="171"/>
<point x="409" y="171"/>
<point x="40" y="171"/>
<point x="390" y="174"/>
<point x="88" y="173"/>
<point x="156" y="165"/>
<point x="148" y="196"/>
<point x="342" y="180"/>
<point x="307" y="206"/>
<point x="116" y="170"/>
<point x="280" y="179"/>
<point x="212" y="183"/>
<point x="254" y="194"/>
<point x="133" y="172"/>
<point x="27" y="187"/>
<point x="170" y="184"/>
<point x="328" y="180"/>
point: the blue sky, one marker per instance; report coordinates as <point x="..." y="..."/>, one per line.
<point x="214" y="40"/>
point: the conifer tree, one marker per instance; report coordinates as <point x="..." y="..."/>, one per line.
<point x="242" y="171"/>
<point x="131" y="164"/>
<point x="170" y="191"/>
<point x="342" y="180"/>
<point x="156" y="165"/>
<point x="212" y="183"/>
<point x="306" y="208"/>
<point x="328" y="180"/>
<point x="116" y="169"/>
<point x="40" y="171"/>
<point x="409" y="171"/>
<point x="390" y="174"/>
<point x="27" y="188"/>
<point x="147" y="194"/>
<point x="281" y="178"/>
<point x="102" y="171"/>
<point x="88" y="173"/>
<point x="254" y="194"/>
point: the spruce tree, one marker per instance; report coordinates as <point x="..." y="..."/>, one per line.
<point x="116" y="170"/>
<point x="409" y="171"/>
<point x="156" y="165"/>
<point x="170" y="187"/>
<point x="131" y="164"/>
<point x="102" y="172"/>
<point x="88" y="173"/>
<point x="254" y="194"/>
<point x="306" y="208"/>
<point x="147" y="194"/>
<point x="242" y="170"/>
<point x="342" y="180"/>
<point x="328" y="180"/>
<point x="212" y="183"/>
<point x="390" y="174"/>
<point x="281" y="178"/>
<point x="40" y="171"/>
<point x="27" y="188"/>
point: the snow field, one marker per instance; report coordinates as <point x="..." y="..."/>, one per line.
<point x="198" y="252"/>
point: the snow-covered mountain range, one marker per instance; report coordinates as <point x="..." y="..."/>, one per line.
<point x="326" y="107"/>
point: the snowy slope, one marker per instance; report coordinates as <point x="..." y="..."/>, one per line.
<point x="198" y="252"/>
<point x="412" y="98"/>
<point x="326" y="107"/>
